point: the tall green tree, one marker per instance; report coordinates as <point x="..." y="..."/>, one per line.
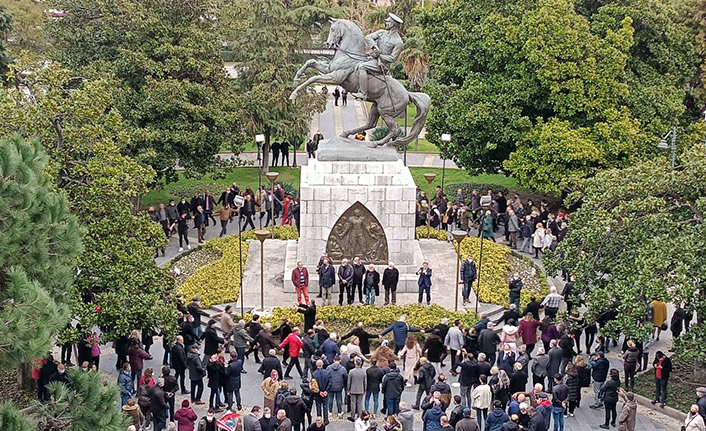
<point x="266" y="39"/>
<point x="174" y="94"/>
<point x="39" y="241"/>
<point x="638" y="235"/>
<point x="118" y="287"/>
<point x="5" y="27"/>
<point x="519" y="78"/>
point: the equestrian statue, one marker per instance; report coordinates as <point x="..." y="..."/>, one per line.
<point x="367" y="77"/>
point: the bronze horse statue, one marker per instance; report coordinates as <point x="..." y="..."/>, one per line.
<point x="389" y="98"/>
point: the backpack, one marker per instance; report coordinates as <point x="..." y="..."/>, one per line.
<point x="314" y="386"/>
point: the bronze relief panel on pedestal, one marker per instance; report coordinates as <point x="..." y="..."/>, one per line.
<point x="357" y="233"/>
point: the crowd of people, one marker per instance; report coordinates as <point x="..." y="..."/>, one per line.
<point x="233" y="203"/>
<point x="527" y="227"/>
<point x="513" y="372"/>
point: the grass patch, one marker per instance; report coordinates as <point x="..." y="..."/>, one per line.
<point x="244" y="176"/>
<point x="681" y="386"/>
<point x="247" y="176"/>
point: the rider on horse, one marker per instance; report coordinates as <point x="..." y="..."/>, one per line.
<point x="386" y="46"/>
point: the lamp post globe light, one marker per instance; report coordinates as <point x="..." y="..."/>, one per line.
<point x="272" y="176"/>
<point x="663" y="145"/>
<point x="262" y="235"/>
<point x="429" y="177"/>
<point x="445" y="138"/>
<point x="458" y="235"/>
<point x="239" y="201"/>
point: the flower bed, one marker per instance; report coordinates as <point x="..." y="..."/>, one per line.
<point x="499" y="263"/>
<point x="212" y="272"/>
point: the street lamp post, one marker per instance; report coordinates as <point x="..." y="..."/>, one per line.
<point x="480" y="267"/>
<point x="259" y="139"/>
<point x="429" y="177"/>
<point x="664" y="146"/>
<point x="458" y="235"/>
<point x="239" y="201"/>
<point x="294" y="146"/>
<point x="262" y="235"/>
<point x="272" y="176"/>
<point x="445" y="138"/>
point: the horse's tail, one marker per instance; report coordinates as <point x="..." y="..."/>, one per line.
<point x="423" y="102"/>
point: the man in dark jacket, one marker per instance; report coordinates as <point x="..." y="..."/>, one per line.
<point x="45" y="373"/>
<point x="533" y="307"/>
<point x="399" y="329"/>
<point x="345" y="281"/>
<point x="496" y="418"/>
<point x="266" y="340"/>
<point x="468" y="378"/>
<point x="536" y="422"/>
<point x="510" y="314"/>
<point x="232" y="381"/>
<point x="374" y="374"/>
<point x="599" y="372"/>
<point x="327" y="276"/>
<point x="488" y="341"/>
<point x="363" y="337"/>
<point x="269" y="363"/>
<point x="467" y="423"/>
<point x="323" y="380"/>
<point x="358" y="272"/>
<point x="295" y="409"/>
<point x="663" y="367"/>
<point x="308" y="351"/>
<point x="515" y="288"/>
<point x="211" y="340"/>
<point x="457" y="412"/>
<point x="195" y="310"/>
<point x="196" y="374"/>
<point x="372" y="284"/>
<point x="567" y="349"/>
<point x="216" y="372"/>
<point x="170" y="389"/>
<point x="469" y="274"/>
<point x="426" y="374"/>
<point x="560" y="399"/>
<point x="179" y="362"/>
<point x="254" y="329"/>
<point x="392" y="387"/>
<point x="309" y="312"/>
<point x="158" y="405"/>
<point x="424" y="282"/>
<point x="390" y="277"/>
<point x="196" y="202"/>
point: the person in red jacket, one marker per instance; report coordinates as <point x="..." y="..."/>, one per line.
<point x="185" y="417"/>
<point x="300" y="280"/>
<point x="295" y="344"/>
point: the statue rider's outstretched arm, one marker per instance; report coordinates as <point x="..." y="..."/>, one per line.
<point x="372" y="38"/>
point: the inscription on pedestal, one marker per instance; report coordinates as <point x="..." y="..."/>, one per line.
<point x="357" y="233"/>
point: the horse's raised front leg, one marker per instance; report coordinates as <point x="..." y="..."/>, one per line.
<point x="334" y="78"/>
<point x="373" y="117"/>
<point x="320" y="65"/>
<point x="394" y="131"/>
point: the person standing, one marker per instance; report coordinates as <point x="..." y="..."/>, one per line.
<point x="488" y="341"/>
<point x="274" y="147"/>
<point x="426" y="374"/>
<point x="200" y="223"/>
<point x="309" y="312"/>
<point x="599" y="374"/>
<point x="179" y="362"/>
<point x="356" y="388"/>
<point x="358" y="273"/>
<point x="336" y="95"/>
<point x="630" y="358"/>
<point x="455" y="341"/>
<point x="372" y="284"/>
<point x="209" y="203"/>
<point x="560" y="397"/>
<point x="515" y="289"/>
<point x="551" y="303"/>
<point x="469" y="274"/>
<point x="345" y="281"/>
<point x="694" y="421"/>
<point x="183" y="230"/>
<point x="284" y="149"/>
<point x="158" y="405"/>
<point x="320" y="384"/>
<point x="344" y="97"/>
<point x="196" y="374"/>
<point x="300" y="280"/>
<point x="185" y="417"/>
<point x="609" y="395"/>
<point x="659" y="315"/>
<point x="327" y="277"/>
<point x="124" y="383"/>
<point x="512" y="228"/>
<point x="482" y="397"/>
<point x="663" y="367"/>
<point x="628" y="414"/>
<point x="390" y="277"/>
<point x="224" y="216"/>
<point x="232" y="381"/>
<point x="248" y="212"/>
<point x="311" y="149"/>
<point x="392" y="388"/>
<point x="424" y="282"/>
<point x="216" y="371"/>
<point x="270" y="386"/>
<point x="468" y="379"/>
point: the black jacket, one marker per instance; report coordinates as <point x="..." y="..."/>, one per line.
<point x="308" y="348"/>
<point x="434" y="348"/>
<point x="560" y="393"/>
<point x="327" y="276"/>
<point x="536" y="423"/>
<point x="666" y="367"/>
<point x="469" y="373"/>
<point x="426" y="376"/>
<point x="196" y="369"/>
<point x="268" y="364"/>
<point x="358" y="273"/>
<point x="609" y="391"/>
<point x="216" y="372"/>
<point x="372" y="281"/>
<point x="295" y="408"/>
<point x="363" y="336"/>
<point x="309" y="312"/>
<point x="253" y="328"/>
<point x="157" y="401"/>
<point x="374" y="375"/>
<point x="211" y="341"/>
<point x="390" y="277"/>
<point x="533" y="307"/>
<point x="179" y="357"/>
<point x="393" y="384"/>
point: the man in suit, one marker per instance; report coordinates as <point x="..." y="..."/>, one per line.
<point x="468" y="276"/>
<point x="196" y="202"/>
<point x="424" y="282"/>
<point x="274" y="147"/>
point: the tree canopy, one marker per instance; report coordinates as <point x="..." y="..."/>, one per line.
<point x="38" y="245"/>
<point x="118" y="287"/>
<point x="637" y="236"/>
<point x="553" y="90"/>
<point x="173" y="91"/>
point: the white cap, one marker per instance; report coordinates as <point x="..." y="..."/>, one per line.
<point x="395" y="18"/>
